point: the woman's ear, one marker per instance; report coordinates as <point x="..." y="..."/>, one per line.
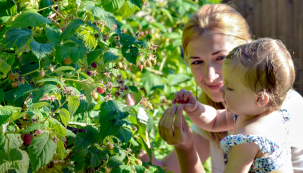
<point x="263" y="98"/>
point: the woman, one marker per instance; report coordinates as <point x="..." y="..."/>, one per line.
<point x="208" y="36"/>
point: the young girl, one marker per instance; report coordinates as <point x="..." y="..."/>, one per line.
<point x="256" y="76"/>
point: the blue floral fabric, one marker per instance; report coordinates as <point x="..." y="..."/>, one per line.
<point x="278" y="156"/>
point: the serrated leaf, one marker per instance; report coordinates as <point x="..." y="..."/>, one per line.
<point x="165" y="11"/>
<point x="40" y="104"/>
<point x="64" y="68"/>
<point x="110" y="21"/>
<point x="41" y="151"/>
<point x="96" y="156"/>
<point x="73" y="104"/>
<point x="151" y="81"/>
<point x="130" y="54"/>
<point x="114" y="161"/>
<point x="100" y="12"/>
<point x="112" y="5"/>
<point x="45" y="89"/>
<point x="137" y="96"/>
<point x="93" y="55"/>
<point x="88" y="6"/>
<point x="127" y="9"/>
<point x="89" y="23"/>
<point x="23" y="90"/>
<point x="138" y="3"/>
<point x="29" y="18"/>
<point x="77" y="53"/>
<point x="87" y="91"/>
<point x="14" y="141"/>
<point x="62" y="52"/>
<point x="52" y="80"/>
<point x="16" y="116"/>
<point x="19" y="159"/>
<point x="124" y="134"/>
<point x="79" y="156"/>
<point x="64" y="115"/>
<point x="143" y="43"/>
<point x="122" y="169"/>
<point x="1" y="95"/>
<point x="41" y="49"/>
<point x="108" y="128"/>
<point x="127" y="40"/>
<point x="80" y="142"/>
<point x="160" y="26"/>
<point x="70" y="29"/>
<point x="34" y="127"/>
<point x="133" y="88"/>
<point x="6" y="112"/>
<point x="108" y="57"/>
<point x="145" y="147"/>
<point x="57" y="128"/>
<point x="139" y="169"/>
<point x="60" y="149"/>
<point x="4" y="68"/>
<point x="91" y="41"/>
<point x="5" y="164"/>
<point x="17" y="37"/>
<point x="177" y="79"/>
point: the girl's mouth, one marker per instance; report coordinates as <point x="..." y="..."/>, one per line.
<point x="215" y="87"/>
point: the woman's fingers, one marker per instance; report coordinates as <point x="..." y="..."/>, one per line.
<point x="178" y="121"/>
<point x="162" y="124"/>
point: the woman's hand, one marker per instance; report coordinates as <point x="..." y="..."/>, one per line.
<point x="176" y="132"/>
<point x="186" y="98"/>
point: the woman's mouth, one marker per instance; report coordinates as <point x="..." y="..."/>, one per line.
<point x="215" y="87"/>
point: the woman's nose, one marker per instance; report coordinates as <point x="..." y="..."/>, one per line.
<point x="210" y="74"/>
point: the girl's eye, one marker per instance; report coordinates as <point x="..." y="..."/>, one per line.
<point x="196" y="62"/>
<point x="221" y="58"/>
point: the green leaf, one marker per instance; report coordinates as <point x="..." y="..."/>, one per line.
<point x="73" y="104"/>
<point x="15" y="141"/>
<point x="108" y="128"/>
<point x="34" y="127"/>
<point x="41" y="151"/>
<point x="23" y="90"/>
<point x="64" y="115"/>
<point x="143" y="43"/>
<point x="127" y="9"/>
<point x="4" y="68"/>
<point x="81" y="142"/>
<point x="62" y="52"/>
<point x="151" y="81"/>
<point x="17" y="37"/>
<point x="112" y="5"/>
<point x="45" y="89"/>
<point x="60" y="149"/>
<point x="165" y="11"/>
<point x="93" y="55"/>
<point x="91" y="41"/>
<point x="70" y="29"/>
<point x="77" y="53"/>
<point x="177" y="79"/>
<point x="125" y="134"/>
<point x="139" y="169"/>
<point x="138" y="3"/>
<point x="137" y="96"/>
<point x="122" y="169"/>
<point x="64" y="68"/>
<point x="97" y="156"/>
<point x="52" y="80"/>
<point x="160" y="26"/>
<point x="1" y="95"/>
<point x="145" y="147"/>
<point x="87" y="91"/>
<point x="133" y="88"/>
<point x="5" y="163"/>
<point x="19" y="159"/>
<point x="57" y="128"/>
<point x="130" y="54"/>
<point x="114" y="161"/>
<point x="88" y="6"/>
<point x="100" y="12"/>
<point x="29" y="18"/>
<point x="108" y="57"/>
<point x="79" y="156"/>
<point x="41" y="49"/>
<point x="127" y="40"/>
<point x="16" y="116"/>
<point x="6" y="112"/>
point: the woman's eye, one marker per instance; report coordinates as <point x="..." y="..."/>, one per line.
<point x="229" y="88"/>
<point x="221" y="58"/>
<point x="196" y="62"/>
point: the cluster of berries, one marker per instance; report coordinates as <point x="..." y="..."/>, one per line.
<point x="16" y="79"/>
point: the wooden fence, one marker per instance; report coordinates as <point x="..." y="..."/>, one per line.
<point x="280" y="19"/>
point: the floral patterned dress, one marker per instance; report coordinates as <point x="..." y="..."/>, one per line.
<point x="279" y="155"/>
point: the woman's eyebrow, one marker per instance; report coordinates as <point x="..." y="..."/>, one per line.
<point x="217" y="52"/>
<point x="194" y="57"/>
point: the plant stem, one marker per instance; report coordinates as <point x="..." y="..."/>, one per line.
<point x="21" y="58"/>
<point x="7" y="144"/>
<point x="76" y="80"/>
<point x="162" y="63"/>
<point x="154" y="71"/>
<point x="60" y="105"/>
<point x="46" y="7"/>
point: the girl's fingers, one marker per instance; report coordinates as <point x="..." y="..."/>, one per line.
<point x="162" y="124"/>
<point x="169" y="132"/>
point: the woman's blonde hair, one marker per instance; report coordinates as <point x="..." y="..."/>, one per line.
<point x="266" y="67"/>
<point x="221" y="18"/>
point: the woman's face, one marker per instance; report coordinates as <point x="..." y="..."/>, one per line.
<point x="206" y="55"/>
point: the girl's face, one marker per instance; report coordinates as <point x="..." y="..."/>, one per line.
<point x="237" y="97"/>
<point x="206" y="55"/>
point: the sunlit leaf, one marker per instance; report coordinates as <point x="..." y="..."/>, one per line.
<point x="30" y="18"/>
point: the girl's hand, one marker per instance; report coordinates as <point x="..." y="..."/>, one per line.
<point x="187" y="99"/>
<point x="176" y="132"/>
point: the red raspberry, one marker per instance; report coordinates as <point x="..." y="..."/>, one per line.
<point x="27" y="139"/>
<point x="100" y="90"/>
<point x="182" y="101"/>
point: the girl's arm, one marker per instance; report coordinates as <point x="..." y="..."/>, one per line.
<point x="204" y="116"/>
<point x="241" y="157"/>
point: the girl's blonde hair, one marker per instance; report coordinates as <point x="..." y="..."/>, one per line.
<point x="221" y="18"/>
<point x="266" y="66"/>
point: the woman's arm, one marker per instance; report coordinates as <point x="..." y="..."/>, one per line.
<point x="170" y="161"/>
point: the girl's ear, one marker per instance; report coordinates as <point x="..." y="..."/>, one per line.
<point x="263" y="98"/>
